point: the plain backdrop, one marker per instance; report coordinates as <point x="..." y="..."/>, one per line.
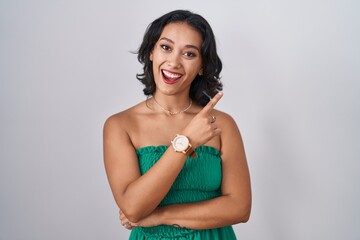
<point x="291" y="81"/>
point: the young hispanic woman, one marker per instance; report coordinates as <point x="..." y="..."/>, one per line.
<point x="176" y="166"/>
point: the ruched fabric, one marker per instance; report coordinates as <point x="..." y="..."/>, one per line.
<point x="199" y="180"/>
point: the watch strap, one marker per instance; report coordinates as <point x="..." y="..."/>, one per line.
<point x="189" y="151"/>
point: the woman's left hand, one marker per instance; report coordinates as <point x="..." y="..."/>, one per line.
<point x="125" y="222"/>
<point x="150" y="221"/>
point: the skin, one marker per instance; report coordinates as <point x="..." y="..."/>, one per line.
<point x="146" y="124"/>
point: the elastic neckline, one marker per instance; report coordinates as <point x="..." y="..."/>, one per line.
<point x="163" y="148"/>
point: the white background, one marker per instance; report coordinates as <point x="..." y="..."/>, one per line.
<point x="291" y="81"/>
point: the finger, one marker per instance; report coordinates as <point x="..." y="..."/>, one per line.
<point x="217" y="132"/>
<point x="212" y="119"/>
<point x="210" y="106"/>
<point x="125" y="221"/>
<point x="127" y="225"/>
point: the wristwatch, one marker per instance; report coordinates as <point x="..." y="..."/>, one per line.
<point x="182" y="144"/>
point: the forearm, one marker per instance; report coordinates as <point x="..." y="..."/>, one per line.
<point x="214" y="213"/>
<point x="143" y="195"/>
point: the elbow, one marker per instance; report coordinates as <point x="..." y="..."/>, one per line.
<point x="134" y="218"/>
<point x="243" y="214"/>
<point x="129" y="208"/>
<point x="132" y="207"/>
<point x="132" y="214"/>
<point x="244" y="217"/>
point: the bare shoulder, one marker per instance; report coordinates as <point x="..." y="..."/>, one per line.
<point x="225" y="120"/>
<point x="230" y="134"/>
<point x="125" y="120"/>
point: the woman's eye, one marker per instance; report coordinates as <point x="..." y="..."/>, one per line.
<point x="190" y="54"/>
<point x="165" y="47"/>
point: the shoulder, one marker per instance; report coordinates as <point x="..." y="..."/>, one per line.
<point x="224" y="120"/>
<point x="228" y="126"/>
<point x="231" y="140"/>
<point x="124" y="120"/>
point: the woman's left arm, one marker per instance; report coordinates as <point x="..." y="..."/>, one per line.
<point x="233" y="206"/>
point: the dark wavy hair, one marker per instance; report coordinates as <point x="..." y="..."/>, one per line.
<point x="209" y="81"/>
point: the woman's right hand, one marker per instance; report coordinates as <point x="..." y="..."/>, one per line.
<point x="202" y="128"/>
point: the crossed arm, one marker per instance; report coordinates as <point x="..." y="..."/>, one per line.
<point x="232" y="207"/>
<point x="142" y="209"/>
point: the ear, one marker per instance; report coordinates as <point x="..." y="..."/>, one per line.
<point x="151" y="57"/>
<point x="201" y="72"/>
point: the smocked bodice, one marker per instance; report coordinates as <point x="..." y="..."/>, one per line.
<point x="199" y="179"/>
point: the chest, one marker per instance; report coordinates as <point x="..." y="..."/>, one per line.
<point x="157" y="130"/>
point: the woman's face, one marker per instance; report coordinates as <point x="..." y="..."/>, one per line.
<point x="176" y="58"/>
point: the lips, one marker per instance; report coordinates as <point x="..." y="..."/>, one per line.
<point x="170" y="77"/>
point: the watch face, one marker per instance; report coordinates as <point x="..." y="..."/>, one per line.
<point x="181" y="143"/>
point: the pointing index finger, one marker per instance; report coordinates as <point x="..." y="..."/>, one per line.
<point x="210" y="106"/>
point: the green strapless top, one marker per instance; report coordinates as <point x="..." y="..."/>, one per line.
<point x="199" y="179"/>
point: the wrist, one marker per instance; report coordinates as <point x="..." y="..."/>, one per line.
<point x="192" y="139"/>
<point x="166" y="215"/>
<point x="160" y="215"/>
<point x="181" y="144"/>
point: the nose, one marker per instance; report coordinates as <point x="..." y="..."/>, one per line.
<point x="174" y="60"/>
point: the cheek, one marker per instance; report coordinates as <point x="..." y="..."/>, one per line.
<point x="194" y="69"/>
<point x="158" y="60"/>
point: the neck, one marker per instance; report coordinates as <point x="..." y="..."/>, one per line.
<point x="173" y="104"/>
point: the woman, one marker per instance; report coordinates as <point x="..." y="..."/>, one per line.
<point x="176" y="166"/>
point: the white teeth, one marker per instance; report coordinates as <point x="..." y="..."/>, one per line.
<point x="171" y="75"/>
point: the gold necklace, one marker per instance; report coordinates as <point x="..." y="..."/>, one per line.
<point x="172" y="113"/>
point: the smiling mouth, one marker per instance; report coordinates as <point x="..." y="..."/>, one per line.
<point x="170" y="77"/>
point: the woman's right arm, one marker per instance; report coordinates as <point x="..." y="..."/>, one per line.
<point x="136" y="195"/>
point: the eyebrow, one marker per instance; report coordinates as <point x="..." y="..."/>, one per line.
<point x="188" y="45"/>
